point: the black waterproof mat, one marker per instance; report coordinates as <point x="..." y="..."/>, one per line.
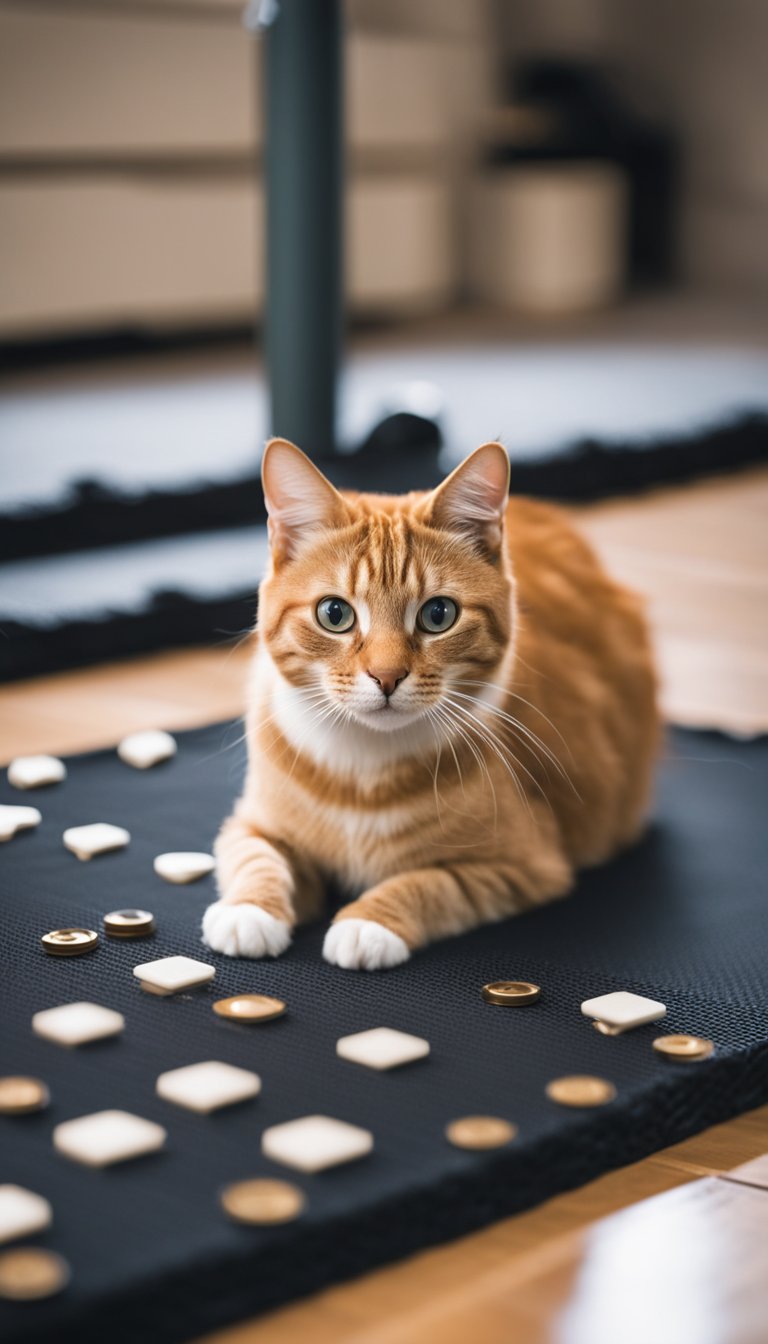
<point x="683" y="918"/>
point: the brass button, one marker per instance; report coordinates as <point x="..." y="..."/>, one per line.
<point x="480" y="1131"/>
<point x="69" y="942"/>
<point x="250" y="1008"/>
<point x="129" y="923"/>
<point x="683" y="1047"/>
<point x="32" y="1272"/>
<point x="263" y="1201"/>
<point x="20" y="1096"/>
<point x="511" y="993"/>
<point x="581" y="1089"/>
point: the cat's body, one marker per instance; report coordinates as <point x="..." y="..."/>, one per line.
<point x="445" y="777"/>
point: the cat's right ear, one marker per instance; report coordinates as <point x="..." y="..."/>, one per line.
<point x="298" y="497"/>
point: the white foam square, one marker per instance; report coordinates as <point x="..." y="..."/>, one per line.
<point x="105" y="1137"/>
<point x="77" y="1023"/>
<point x="33" y="772"/>
<point x="13" y="819"/>
<point x="143" y="750"/>
<point x="169" y="975"/>
<point x="623" y="1010"/>
<point x="315" y="1142"/>
<point x="184" y="865"/>
<point x="209" y="1086"/>
<point x="382" y="1048"/>
<point x="99" y="837"/>
<point x="22" y="1213"/>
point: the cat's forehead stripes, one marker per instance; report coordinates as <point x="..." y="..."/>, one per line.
<point x="384" y="557"/>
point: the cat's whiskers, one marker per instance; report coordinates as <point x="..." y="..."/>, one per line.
<point x="520" y="728"/>
<point x="433" y="714"/>
<point x="494" y="685"/>
<point x="435" y="721"/>
<point x="500" y="750"/>
<point x="449" y="718"/>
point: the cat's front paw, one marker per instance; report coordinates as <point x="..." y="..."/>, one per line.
<point x="363" y="945"/>
<point x="244" y="930"/>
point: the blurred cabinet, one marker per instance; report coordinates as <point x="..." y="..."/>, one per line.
<point x="130" y="149"/>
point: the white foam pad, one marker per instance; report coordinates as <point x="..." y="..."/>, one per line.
<point x="382" y="1048"/>
<point x="13" y="819"/>
<point x="77" y="1023"/>
<point x="33" y="772"/>
<point x="142" y="750"/>
<point x="170" y="975"/>
<point x="22" y="1213"/>
<point x="209" y="1086"/>
<point x="623" y="1010"/>
<point x="98" y="838"/>
<point x="315" y="1142"/>
<point x="244" y="930"/>
<point x="363" y="945"/>
<point x="105" y="1137"/>
<point x="184" y="865"/>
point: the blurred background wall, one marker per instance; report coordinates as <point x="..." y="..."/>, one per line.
<point x="131" y="143"/>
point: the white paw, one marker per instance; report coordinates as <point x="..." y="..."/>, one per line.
<point x="363" y="945"/>
<point x="244" y="931"/>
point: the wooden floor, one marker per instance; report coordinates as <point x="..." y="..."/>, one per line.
<point x="701" y="556"/>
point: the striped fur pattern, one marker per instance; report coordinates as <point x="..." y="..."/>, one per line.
<point x="442" y="778"/>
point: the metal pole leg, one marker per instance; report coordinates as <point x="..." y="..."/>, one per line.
<point x="304" y="220"/>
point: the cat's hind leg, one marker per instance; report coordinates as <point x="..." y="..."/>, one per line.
<point x="264" y="891"/>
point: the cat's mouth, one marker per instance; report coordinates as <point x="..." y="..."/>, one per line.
<point x="386" y="717"/>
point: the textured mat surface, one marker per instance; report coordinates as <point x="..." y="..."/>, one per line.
<point x="682" y="918"/>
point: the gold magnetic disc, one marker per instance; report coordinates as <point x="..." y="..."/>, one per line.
<point x="480" y="1131"/>
<point x="683" y="1047"/>
<point x="20" y="1096"/>
<point x="69" y="942"/>
<point x="606" y="1029"/>
<point x="249" y="1008"/>
<point x="129" y="923"/>
<point x="581" y="1089"/>
<point x="32" y="1272"/>
<point x="511" y="993"/>
<point x="263" y="1201"/>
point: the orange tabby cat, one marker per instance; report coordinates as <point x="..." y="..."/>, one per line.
<point x="452" y="709"/>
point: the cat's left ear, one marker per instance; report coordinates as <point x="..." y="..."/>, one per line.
<point x="473" y="499"/>
<point x="299" y="499"/>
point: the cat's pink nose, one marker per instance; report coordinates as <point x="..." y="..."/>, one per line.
<point x="388" y="678"/>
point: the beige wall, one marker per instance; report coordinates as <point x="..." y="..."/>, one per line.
<point x="130" y="159"/>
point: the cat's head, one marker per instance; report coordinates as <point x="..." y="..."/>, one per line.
<point x="382" y="606"/>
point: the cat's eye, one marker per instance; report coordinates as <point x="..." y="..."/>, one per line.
<point x="437" y="615"/>
<point x="334" y="614"/>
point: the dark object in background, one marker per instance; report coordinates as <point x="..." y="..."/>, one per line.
<point x="582" y="118"/>
<point x="186" y="1270"/>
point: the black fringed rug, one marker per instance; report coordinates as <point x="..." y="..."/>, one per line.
<point x="111" y="574"/>
<point x="682" y="918"/>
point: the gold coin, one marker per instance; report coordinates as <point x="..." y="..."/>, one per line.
<point x="510" y="993"/>
<point x="129" y="923"/>
<point x="683" y="1047"/>
<point x="250" y="1008"/>
<point x="69" y="942"/>
<point x="19" y="1096"/>
<point x="32" y="1272"/>
<point x="581" y="1089"/>
<point x="480" y="1131"/>
<point x="606" y="1029"/>
<point x="263" y="1201"/>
